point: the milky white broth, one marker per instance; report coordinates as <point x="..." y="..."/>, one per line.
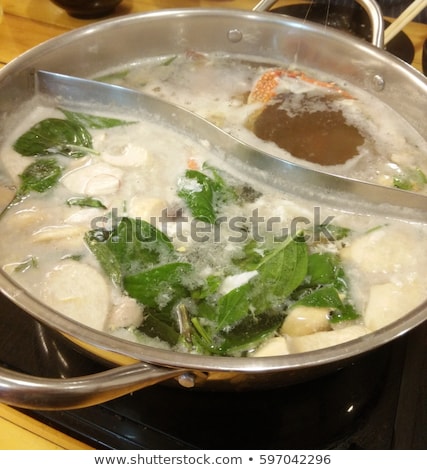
<point x="141" y="171"/>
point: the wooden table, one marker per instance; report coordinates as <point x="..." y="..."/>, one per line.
<point x="27" y="23"/>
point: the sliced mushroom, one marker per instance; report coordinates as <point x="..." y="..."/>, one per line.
<point x="93" y="180"/>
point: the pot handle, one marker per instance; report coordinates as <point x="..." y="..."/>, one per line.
<point x="38" y="393"/>
<point x="370" y="6"/>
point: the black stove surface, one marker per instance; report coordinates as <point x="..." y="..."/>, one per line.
<point x="378" y="402"/>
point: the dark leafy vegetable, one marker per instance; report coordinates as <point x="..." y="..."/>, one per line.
<point x="153" y="327"/>
<point x="250" y="332"/>
<point x="55" y="136"/>
<point x="85" y="202"/>
<point x="131" y="247"/>
<point x="40" y="176"/>
<point x="330" y="232"/>
<point x="329" y="297"/>
<point x="28" y="263"/>
<point x="199" y="196"/>
<point x="119" y="75"/>
<point x="233" y="306"/>
<point x="169" y="60"/>
<point x="325" y="268"/>
<point x="326" y="286"/>
<point x="69" y="137"/>
<point x="90" y="121"/>
<point x="203" y="194"/>
<point x="280" y="272"/>
<point x="197" y="315"/>
<point x="159" y="287"/>
<point x="410" y="180"/>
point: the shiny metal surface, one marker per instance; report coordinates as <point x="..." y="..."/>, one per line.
<point x="89" y="51"/>
<point x="370" y="6"/>
<point x="41" y="393"/>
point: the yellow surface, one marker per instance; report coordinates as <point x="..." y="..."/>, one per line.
<point x="20" y="432"/>
<point x="27" y="23"/>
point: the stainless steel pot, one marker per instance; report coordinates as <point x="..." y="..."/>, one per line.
<point x="86" y="52"/>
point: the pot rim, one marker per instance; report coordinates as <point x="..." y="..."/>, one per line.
<point x="168" y="358"/>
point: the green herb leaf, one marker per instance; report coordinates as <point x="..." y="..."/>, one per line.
<point x="28" y="263"/>
<point x="91" y="121"/>
<point x="155" y="328"/>
<point x="159" y="287"/>
<point x="410" y="180"/>
<point x="203" y="194"/>
<point x="55" y="136"/>
<point x="197" y="190"/>
<point x="325" y="268"/>
<point x="119" y="75"/>
<point x="329" y="297"/>
<point x="251" y="331"/>
<point x="169" y="60"/>
<point x="85" y="202"/>
<point x="40" y="176"/>
<point x="209" y="288"/>
<point x="233" y="306"/>
<point x="132" y="246"/>
<point x="279" y="272"/>
<point x="96" y="240"/>
<point x="330" y="232"/>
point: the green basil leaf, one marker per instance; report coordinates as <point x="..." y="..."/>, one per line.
<point x="233" y="306"/>
<point x="203" y="194"/>
<point x="160" y="286"/>
<point x="330" y="232"/>
<point x="323" y="297"/>
<point x="251" y="331"/>
<point x="209" y="288"/>
<point x="410" y="180"/>
<point x="281" y="271"/>
<point x="156" y="328"/>
<point x="40" y="176"/>
<point x="28" y="263"/>
<point x="55" y="136"/>
<point x="85" y="202"/>
<point x="132" y="246"/>
<point x="119" y="75"/>
<point x="96" y="241"/>
<point x="329" y="297"/>
<point x="346" y="313"/>
<point x="222" y="191"/>
<point x="325" y="268"/>
<point x="169" y="60"/>
<point x="252" y="256"/>
<point x="197" y="190"/>
<point x="91" y="121"/>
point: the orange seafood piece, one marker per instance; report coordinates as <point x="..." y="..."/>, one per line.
<point x="192" y="164"/>
<point x="265" y="88"/>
